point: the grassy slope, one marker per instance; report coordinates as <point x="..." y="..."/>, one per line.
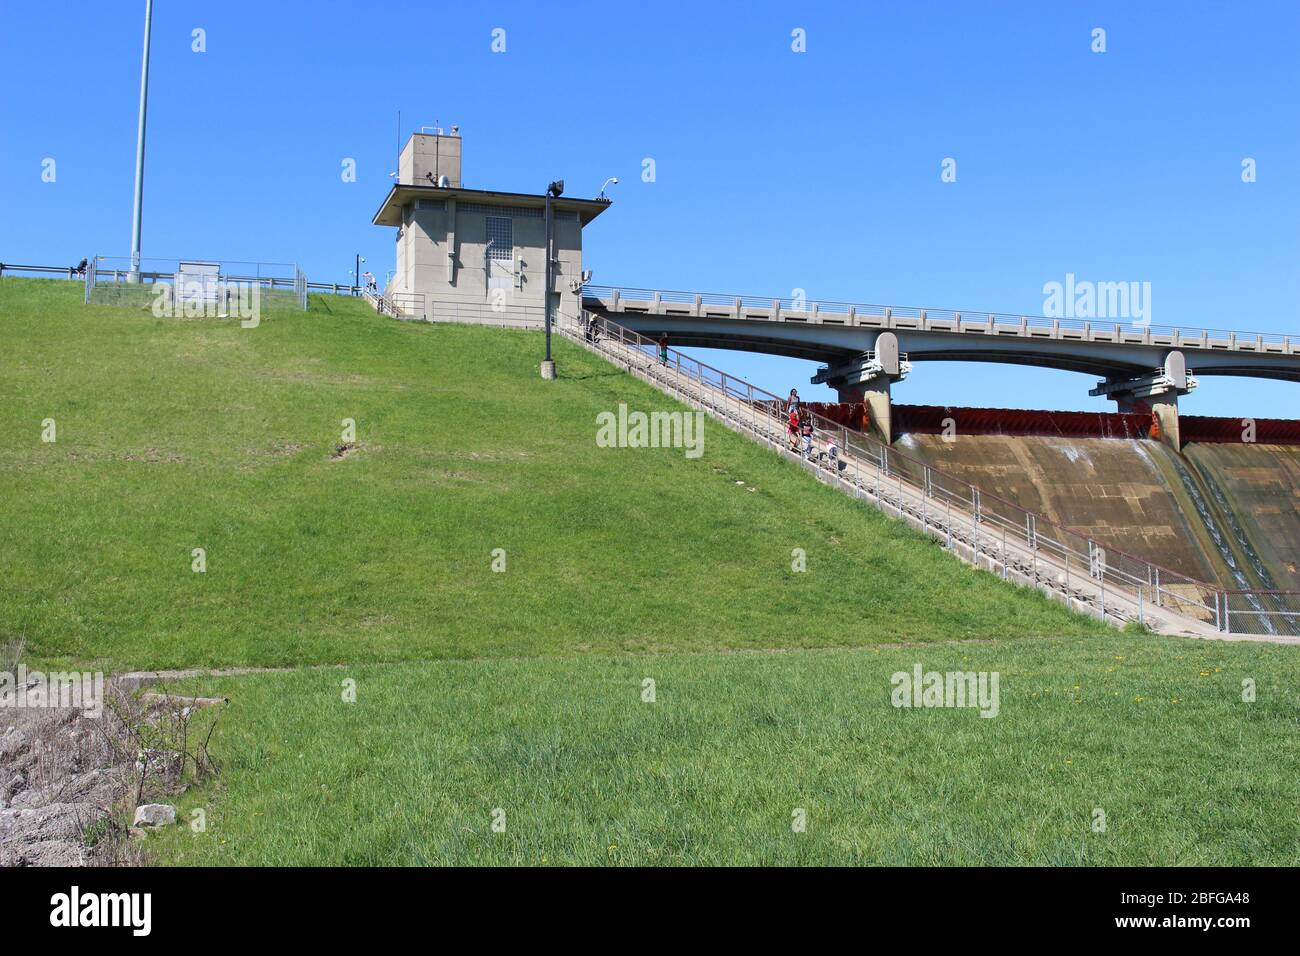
<point x="1152" y="731"/>
<point x="177" y="434"/>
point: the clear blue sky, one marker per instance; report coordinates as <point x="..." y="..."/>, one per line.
<point x="775" y="170"/>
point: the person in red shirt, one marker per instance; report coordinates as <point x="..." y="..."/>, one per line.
<point x="792" y="428"/>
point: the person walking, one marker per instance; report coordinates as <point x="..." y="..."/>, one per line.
<point x="663" y="350"/>
<point x="806" y="430"/>
<point x="792" y="429"/>
<point x="832" y="452"/>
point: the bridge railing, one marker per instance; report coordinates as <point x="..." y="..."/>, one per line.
<point x="1013" y="537"/>
<point x="1122" y="329"/>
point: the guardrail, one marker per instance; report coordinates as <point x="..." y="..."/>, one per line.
<point x="68" y="272"/>
<point x="271" y="282"/>
<point x="953" y="320"/>
<point x="1014" y="539"/>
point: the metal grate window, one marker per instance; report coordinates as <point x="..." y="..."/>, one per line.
<point x="516" y="212"/>
<point x="500" y="232"/>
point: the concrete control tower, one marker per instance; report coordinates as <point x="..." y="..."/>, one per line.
<point x="477" y="254"/>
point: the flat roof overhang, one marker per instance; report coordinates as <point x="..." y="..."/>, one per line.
<point x="390" y="212"/>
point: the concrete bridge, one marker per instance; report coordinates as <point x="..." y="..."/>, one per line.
<point x="867" y="348"/>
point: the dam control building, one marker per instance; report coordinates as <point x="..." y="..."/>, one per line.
<point x="477" y="254"/>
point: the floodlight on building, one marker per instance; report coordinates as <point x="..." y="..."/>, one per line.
<point x="612" y="181"/>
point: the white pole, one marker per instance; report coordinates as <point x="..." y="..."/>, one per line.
<point x="139" y="148"/>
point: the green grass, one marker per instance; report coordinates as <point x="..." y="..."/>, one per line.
<point x="522" y="690"/>
<point x="178" y="434"/>
<point x="1152" y="731"/>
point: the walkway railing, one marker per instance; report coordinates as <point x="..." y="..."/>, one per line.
<point x="994" y="532"/>
<point x="948" y="320"/>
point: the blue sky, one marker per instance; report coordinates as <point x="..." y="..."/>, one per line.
<point x="774" y="170"/>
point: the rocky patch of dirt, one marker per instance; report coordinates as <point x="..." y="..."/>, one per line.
<point x="73" y="778"/>
<point x="344" y="450"/>
<point x="60" y="779"/>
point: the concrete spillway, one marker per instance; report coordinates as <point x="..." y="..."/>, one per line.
<point x="1257" y="489"/>
<point x="1219" y="512"/>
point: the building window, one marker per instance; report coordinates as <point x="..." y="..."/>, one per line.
<point x="500" y="232"/>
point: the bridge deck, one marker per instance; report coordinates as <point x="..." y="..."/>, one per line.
<point x="831" y="331"/>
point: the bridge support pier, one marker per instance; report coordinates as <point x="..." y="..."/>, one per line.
<point x="1155" y="394"/>
<point x="876" y="399"/>
<point x="867" y="379"/>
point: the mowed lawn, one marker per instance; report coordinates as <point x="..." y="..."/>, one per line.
<point x="178" y="434"/>
<point x="519" y="698"/>
<point x="1106" y="749"/>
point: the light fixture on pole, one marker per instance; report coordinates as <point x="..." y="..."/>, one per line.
<point x="553" y="191"/>
<point x="612" y="181"/>
<point x="134" y="274"/>
<point x="356" y="273"/>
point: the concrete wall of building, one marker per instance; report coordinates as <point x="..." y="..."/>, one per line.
<point x="427" y="156"/>
<point x="435" y="226"/>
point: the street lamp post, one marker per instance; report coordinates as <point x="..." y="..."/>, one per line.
<point x="134" y="274"/>
<point x="356" y="273"/>
<point x="555" y="189"/>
